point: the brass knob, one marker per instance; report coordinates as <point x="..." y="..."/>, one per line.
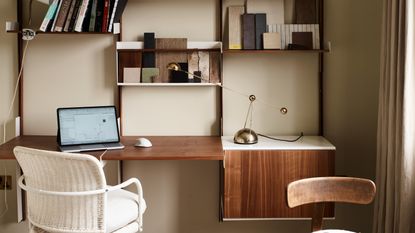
<point x="284" y="110"/>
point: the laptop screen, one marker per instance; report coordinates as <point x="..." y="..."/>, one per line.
<point x="87" y="125"/>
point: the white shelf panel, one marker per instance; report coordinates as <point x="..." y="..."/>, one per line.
<point x="304" y="143"/>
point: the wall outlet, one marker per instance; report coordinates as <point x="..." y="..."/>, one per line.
<point x="5" y="182"/>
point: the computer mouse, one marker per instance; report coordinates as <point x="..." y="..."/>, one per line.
<point x="143" y="142"/>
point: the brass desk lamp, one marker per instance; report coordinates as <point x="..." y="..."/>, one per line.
<point x="242" y="136"/>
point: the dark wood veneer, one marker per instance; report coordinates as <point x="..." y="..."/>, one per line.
<point x="164" y="148"/>
<point x="256" y="181"/>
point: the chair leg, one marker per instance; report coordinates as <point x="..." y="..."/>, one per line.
<point x="317" y="220"/>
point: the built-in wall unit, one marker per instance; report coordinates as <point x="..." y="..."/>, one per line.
<point x="230" y="92"/>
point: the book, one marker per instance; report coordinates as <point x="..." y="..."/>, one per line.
<point x="69" y="16"/>
<point x="104" y="27"/>
<point x="87" y="18"/>
<point x="93" y="16"/>
<point x="248" y="31"/>
<point x="81" y="15"/>
<point x="234" y="27"/>
<point x="61" y="16"/>
<point x="119" y="7"/>
<point x="260" y="29"/>
<point x="74" y="15"/>
<point x="99" y="16"/>
<point x="52" y="28"/>
<point x="111" y="9"/>
<point x="49" y="15"/>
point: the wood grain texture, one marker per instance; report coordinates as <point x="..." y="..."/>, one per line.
<point x="215" y="61"/>
<point x="256" y="181"/>
<point x="130" y="59"/>
<point x="164" y="148"/>
<point x="331" y="189"/>
<point x="319" y="190"/>
<point x="163" y="59"/>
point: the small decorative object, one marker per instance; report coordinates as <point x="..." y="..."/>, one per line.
<point x="131" y="75"/>
<point x="272" y="40"/>
<point x="180" y="76"/>
<point x="302" y="40"/>
<point x="247" y="135"/>
<point x="148" y="75"/>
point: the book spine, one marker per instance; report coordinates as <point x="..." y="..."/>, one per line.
<point x="87" y="18"/>
<point x="105" y="16"/>
<point x="49" y="15"/>
<point x="56" y="16"/>
<point x="93" y="16"/>
<point x="112" y="16"/>
<point x="119" y="10"/>
<point x="69" y="17"/>
<point x="99" y="15"/>
<point x="260" y="29"/>
<point x="74" y="15"/>
<point x="61" y="17"/>
<point x="248" y="31"/>
<point x="81" y="15"/>
<point x="234" y="25"/>
<point x="111" y="9"/>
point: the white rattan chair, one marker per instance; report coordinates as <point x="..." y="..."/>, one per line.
<point x="68" y="193"/>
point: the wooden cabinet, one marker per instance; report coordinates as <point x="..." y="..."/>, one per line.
<point x="255" y="180"/>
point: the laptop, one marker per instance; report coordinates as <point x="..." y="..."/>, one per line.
<point x="88" y="129"/>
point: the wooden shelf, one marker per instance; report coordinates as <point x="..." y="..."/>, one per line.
<point x="66" y="33"/>
<point x="172" y="50"/>
<point x="168" y="84"/>
<point x="229" y="51"/>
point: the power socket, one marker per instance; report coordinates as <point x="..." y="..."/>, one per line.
<point x="5" y="181"/>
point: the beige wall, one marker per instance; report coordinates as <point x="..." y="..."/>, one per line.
<point x="8" y="75"/>
<point x="182" y="196"/>
<point x="351" y="95"/>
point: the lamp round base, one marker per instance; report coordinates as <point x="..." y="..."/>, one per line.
<point x="245" y="136"/>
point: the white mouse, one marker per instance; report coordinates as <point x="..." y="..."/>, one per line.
<point x="143" y="142"/>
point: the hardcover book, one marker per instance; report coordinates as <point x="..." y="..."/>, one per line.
<point x="248" y="31"/>
<point x="81" y="15"/>
<point x="234" y="26"/>
<point x="69" y="16"/>
<point x="49" y="15"/>
<point x="260" y="29"/>
<point x="61" y="17"/>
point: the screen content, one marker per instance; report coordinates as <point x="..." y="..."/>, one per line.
<point x="87" y="125"/>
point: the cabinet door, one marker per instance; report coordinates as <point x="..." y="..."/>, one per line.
<point x="256" y="181"/>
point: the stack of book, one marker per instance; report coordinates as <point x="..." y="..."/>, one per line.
<point x="82" y="15"/>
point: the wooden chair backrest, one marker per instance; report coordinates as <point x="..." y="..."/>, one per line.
<point x="329" y="189"/>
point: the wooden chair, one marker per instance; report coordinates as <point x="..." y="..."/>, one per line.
<point x="329" y="189"/>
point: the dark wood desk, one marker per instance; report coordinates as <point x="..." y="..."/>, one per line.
<point x="164" y="148"/>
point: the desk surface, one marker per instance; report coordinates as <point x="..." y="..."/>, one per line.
<point x="164" y="148"/>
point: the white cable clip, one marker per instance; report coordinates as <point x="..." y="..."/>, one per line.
<point x="28" y="34"/>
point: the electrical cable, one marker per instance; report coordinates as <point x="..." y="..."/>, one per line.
<point x="15" y="91"/>
<point x="283" y="140"/>
<point x="5" y="123"/>
<point x="6" y="206"/>
<point x="100" y="158"/>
